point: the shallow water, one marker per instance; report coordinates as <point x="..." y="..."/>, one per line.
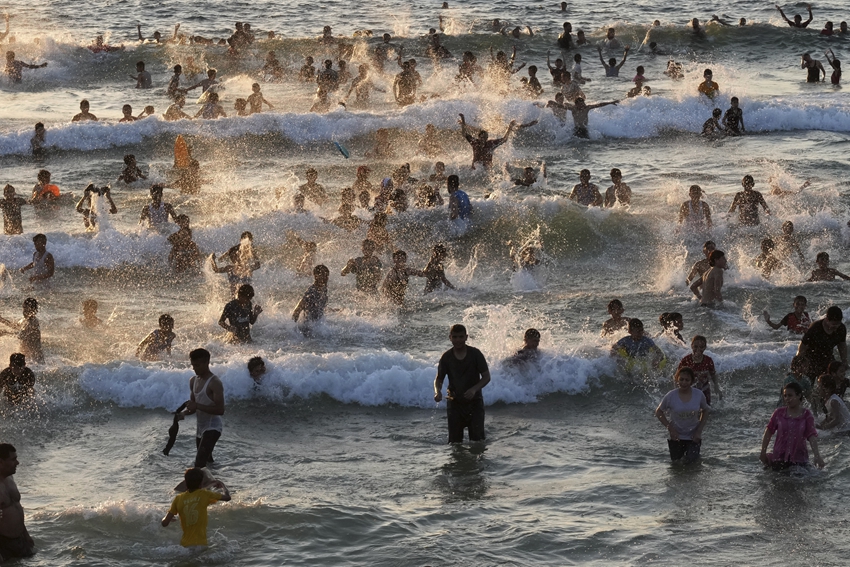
<point x="339" y="457"/>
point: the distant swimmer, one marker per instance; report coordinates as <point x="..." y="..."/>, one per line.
<point x="405" y="84"/>
<point x="813" y="68"/>
<point x="557" y="71"/>
<point x="366" y="268"/>
<point x="157" y="36"/>
<point x="327" y="78"/>
<point x="711" y="281"/>
<point x="173" y="90"/>
<point x="612" y="68"/>
<point x="90" y="320"/>
<point x="708" y="87"/>
<point x="142" y="77"/>
<point x="586" y="193"/>
<point x="11" y="204"/>
<point x="532" y="84"/>
<point x="99" y="47"/>
<point x="362" y="86"/>
<point x="18" y="384"/>
<point x="256" y="100"/>
<point x="315" y="300"/>
<point x="733" y="120"/>
<point x="307" y="73"/>
<point x="767" y="261"/>
<point x="674" y="70"/>
<point x="243" y="263"/>
<point x="787" y="243"/>
<point x="468" y="374"/>
<point x="701" y="266"/>
<point x="747" y="202"/>
<point x="44" y="191"/>
<point x="206" y="401"/>
<point x="482" y="146"/>
<point x="581" y="39"/>
<point x="127" y="112"/>
<point x="530" y="348"/>
<point x="798" y="19"/>
<point x="798" y="321"/>
<point x="460" y="206"/>
<point x="28" y="332"/>
<point x="16" y="539"/>
<point x="156" y="212"/>
<point x="577" y="76"/>
<point x="580" y="111"/>
<point x="239" y="314"/>
<point x="158" y="341"/>
<point x="86" y="208"/>
<point x="311" y="190"/>
<point x="529" y="178"/>
<point x="84" y="114"/>
<point x="697" y="29"/>
<point x="14" y="67"/>
<point x="836" y="67"/>
<point x="619" y="191"/>
<point x="185" y="256"/>
<point x="711" y="128"/>
<point x="695" y="214"/>
<point x="396" y="281"/>
<point x="611" y="41"/>
<point x="429" y="144"/>
<point x="191" y="506"/>
<point x="823" y="273"/>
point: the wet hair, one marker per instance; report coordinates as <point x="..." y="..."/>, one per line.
<point x="156" y="188"/>
<point x="716" y="112"/>
<point x="615" y="303"/>
<point x="457" y="329"/>
<point x="584" y="172"/>
<point x="42" y="174"/>
<point x="834" y="367"/>
<point x="194" y="477"/>
<point x="577" y="58"/>
<point x="635" y="324"/>
<point x="667" y="319"/>
<point x="165" y="319"/>
<point x="140" y="65"/>
<point x="39" y="238"/>
<point x="767" y="245"/>
<point x="532" y="334"/>
<point x="715" y="256"/>
<point x="19" y="360"/>
<point x="795" y="387"/>
<point x="640" y="69"/>
<point x="733" y="99"/>
<point x="801" y="298"/>
<point x="6" y="449"/>
<point x="452" y="182"/>
<point x="255" y="362"/>
<point x="822" y="256"/>
<point x="200" y="354"/>
<point x="247" y="234"/>
<point x="129" y="157"/>
<point x="178" y="69"/>
<point x="245" y="290"/>
<point x="532" y="69"/>
<point x="709" y="244"/>
<point x="616" y="171"/>
<point x="698" y="338"/>
<point x="39" y="126"/>
<point x="399" y="255"/>
<point x="748" y="179"/>
<point x="832" y="314"/>
<point x="320" y="270"/>
<point x="707" y="72"/>
<point x="31" y="303"/>
<point x="684" y="370"/>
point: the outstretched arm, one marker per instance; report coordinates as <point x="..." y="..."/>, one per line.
<point x="625" y="55"/>
<point x="601" y="60"/>
<point x="139" y="29"/>
<point x="784" y="17"/>
<point x="601" y="104"/>
<point x="807" y="22"/>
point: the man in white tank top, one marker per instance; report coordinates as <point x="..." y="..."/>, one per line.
<point x="206" y="400"/>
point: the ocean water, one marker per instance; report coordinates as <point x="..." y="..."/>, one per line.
<point x="339" y="457"/>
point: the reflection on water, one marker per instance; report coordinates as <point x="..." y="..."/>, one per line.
<point x="462" y="478"/>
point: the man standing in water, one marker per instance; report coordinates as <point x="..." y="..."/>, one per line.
<point x="580" y="111"/>
<point x="813" y="68"/>
<point x="468" y="374"/>
<point x="820" y="341"/>
<point x="206" y="399"/>
<point x="747" y="202"/>
<point x="15" y="541"/>
<point x="482" y="146"/>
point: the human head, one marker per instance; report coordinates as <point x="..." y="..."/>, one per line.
<point x="321" y="275"/>
<point x="18" y="360"/>
<point x="834" y="315"/>
<point x="166" y="322"/>
<point x="43" y="176"/>
<point x="245" y="293"/>
<point x="708" y="247"/>
<point x="635" y="328"/>
<point x="742" y="22"/>
<point x="39" y="127"/>
<point x="767" y="245"/>
<point x="639" y="70"/>
<point x="827" y="385"/>
<point x="792" y="390"/>
<point x="311" y="174"/>
<point x="584" y="175"/>
<point x="748" y="182"/>
<point x="178" y="69"/>
<point x="8" y="191"/>
<point x="579" y="103"/>
<point x="577" y="58"/>
<point x="800" y="302"/>
<point x="129" y="159"/>
<point x="842" y="27"/>
<point x="822" y="259"/>
<point x="8" y="460"/>
<point x="616" y="175"/>
<point x="612" y="62"/>
<point x="452" y="183"/>
<point x="734" y="102"/>
<point x="458" y="335"/>
<point x="611" y="32"/>
<point x="532" y="338"/>
<point x="568" y="27"/>
<point x="695" y="192"/>
<point x="368" y="247"/>
<point x="30" y="306"/>
<point x="615" y="307"/>
<point x="684" y="377"/>
<point x="211" y="73"/>
<point x="255" y="87"/>
<point x="39" y="241"/>
<point x="559" y="98"/>
<point x="399" y="257"/>
<point x="716" y="113"/>
<point x="89" y="307"/>
<point x="699" y="342"/>
<point x="10" y="56"/>
<point x="256" y="367"/>
<point x="715" y="257"/>
<point x="140" y="66"/>
<point x="200" y="360"/>
<point x="194" y="477"/>
<point x="532" y="70"/>
<point x="156" y="192"/>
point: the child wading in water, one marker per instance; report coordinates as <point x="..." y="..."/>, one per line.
<point x="703" y="368"/>
<point x="683" y="412"/>
<point x="192" y="505"/>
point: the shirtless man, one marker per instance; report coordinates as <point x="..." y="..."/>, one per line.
<point x="15" y="541"/>
<point x="798" y="19"/>
<point x="312" y="190"/>
<point x="10" y="204"/>
<point x="84" y="113"/>
<point x="205" y="84"/>
<point x="619" y="192"/>
<point x="367" y="268"/>
<point x="813" y="68"/>
<point x="701" y="266"/>
<point x="142" y="78"/>
<point x="580" y="111"/>
<point x="694" y="213"/>
<point x="711" y="281"/>
<point x="612" y="69"/>
<point x="482" y="147"/>
<point x="14" y="67"/>
<point x="747" y="202"/>
<point x="586" y="193"/>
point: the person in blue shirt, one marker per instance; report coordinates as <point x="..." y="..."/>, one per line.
<point x="459" y="205"/>
<point x="635" y="345"/>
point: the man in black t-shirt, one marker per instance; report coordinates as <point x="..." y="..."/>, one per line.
<point x="468" y="374"/>
<point x="239" y="314"/>
<point x="821" y="339"/>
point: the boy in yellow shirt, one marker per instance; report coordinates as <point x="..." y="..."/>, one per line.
<point x="191" y="506"/>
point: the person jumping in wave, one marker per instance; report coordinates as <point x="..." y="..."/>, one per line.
<point x="711" y="128"/>
<point x="580" y="111"/>
<point x="482" y="146"/>
<point x="14" y="67"/>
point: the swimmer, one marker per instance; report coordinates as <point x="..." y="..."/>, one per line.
<point x="813" y="68"/>
<point x="798" y="19"/>
<point x="14" y="67"/>
<point x="18" y="384"/>
<point x="617" y="321"/>
<point x="84" y="113"/>
<point x="42" y="265"/>
<point x="243" y="263"/>
<point x="637" y="345"/>
<point x="173" y="89"/>
<point x="175" y="110"/>
<point x="701" y="266"/>
<point x="482" y="146"/>
<point x="612" y="69"/>
<point x="395" y="283"/>
<point x="586" y="193"/>
<point x="127" y="112"/>
<point x="131" y="171"/>
<point x="711" y="281"/>
<point x="619" y="192"/>
<point x="429" y="144"/>
<point x="28" y="330"/>
<point x="427" y="197"/>
<point x="239" y="314"/>
<point x="557" y="71"/>
<point x="205" y="84"/>
<point x="37" y="141"/>
<point x="703" y="368"/>
<point x="532" y="86"/>
<point x="529" y="350"/>
<point x="142" y="77"/>
<point x="367" y="269"/>
<point x="307" y="74"/>
<point x="312" y="190"/>
<point x="577" y="77"/>
<point x="405" y="84"/>
<point x="460" y="206"/>
<point x="695" y="214"/>
<point x="711" y="128"/>
<point x="43" y="190"/>
<point x="304" y="267"/>
<point x="211" y="109"/>
<point x="798" y="321"/>
<point x="674" y="70"/>
<point x="90" y="320"/>
<point x="156" y="212"/>
<point x="733" y="120"/>
<point x="526" y="258"/>
<point x="835" y="79"/>
<point x="88" y="212"/>
<point x="672" y="325"/>
<point x="580" y="111"/>
<point x="787" y="243"/>
<point x="529" y="178"/>
<point x="708" y="87"/>
<point x="767" y="262"/>
<point x="315" y="299"/>
<point x="439" y="175"/>
<point x="434" y="272"/>
<point x="327" y="78"/>
<point x="611" y="41"/>
<point x="256" y="100"/>
<point x="683" y="412"/>
<point x="10" y="204"/>
<point x="698" y="31"/>
<point x="159" y="341"/>
<point x="748" y="201"/>
<point x="256" y="369"/>
<point x="191" y="504"/>
<point x="362" y="86"/>
<point x="581" y="39"/>
<point x="823" y="273"/>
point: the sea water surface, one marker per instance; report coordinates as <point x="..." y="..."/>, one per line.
<point x="339" y="456"/>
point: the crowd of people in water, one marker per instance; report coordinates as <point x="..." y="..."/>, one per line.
<point x="815" y="377"/>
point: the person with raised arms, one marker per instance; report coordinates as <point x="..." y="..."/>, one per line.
<point x="14" y="67"/>
<point x="482" y="146"/>
<point x="798" y="19"/>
